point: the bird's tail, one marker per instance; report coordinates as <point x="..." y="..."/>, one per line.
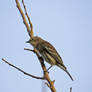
<point x="65" y="69"/>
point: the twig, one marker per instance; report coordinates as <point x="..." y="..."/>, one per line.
<point x="47" y="84"/>
<point x="31" y="26"/>
<point x="23" y="17"/>
<point x="36" y="77"/>
<point x="29" y="50"/>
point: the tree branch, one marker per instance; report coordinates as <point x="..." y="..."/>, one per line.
<point x="36" y="77"/>
<point x="45" y="72"/>
<point x="24" y="19"/>
<point x="31" y="25"/>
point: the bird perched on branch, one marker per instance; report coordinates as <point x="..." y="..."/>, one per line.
<point x="48" y="52"/>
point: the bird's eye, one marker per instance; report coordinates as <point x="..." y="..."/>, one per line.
<point x="31" y="39"/>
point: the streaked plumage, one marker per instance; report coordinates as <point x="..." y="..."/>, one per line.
<point x="48" y="52"/>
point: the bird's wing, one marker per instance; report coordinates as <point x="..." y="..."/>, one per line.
<point x="52" y="51"/>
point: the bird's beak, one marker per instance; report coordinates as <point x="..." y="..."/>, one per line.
<point x="28" y="41"/>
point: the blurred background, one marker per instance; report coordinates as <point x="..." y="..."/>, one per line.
<point x="67" y="24"/>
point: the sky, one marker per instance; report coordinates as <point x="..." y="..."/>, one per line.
<point x="66" y="24"/>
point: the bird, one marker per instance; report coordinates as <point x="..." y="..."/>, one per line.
<point x="48" y="53"/>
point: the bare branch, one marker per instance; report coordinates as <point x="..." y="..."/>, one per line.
<point x="47" y="84"/>
<point x="45" y="72"/>
<point x="23" y="17"/>
<point x="29" y="49"/>
<point x="36" y="77"/>
<point x="31" y="25"/>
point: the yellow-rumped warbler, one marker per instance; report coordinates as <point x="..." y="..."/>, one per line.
<point x="48" y="52"/>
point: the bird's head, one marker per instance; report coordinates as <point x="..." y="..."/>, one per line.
<point x="35" y="41"/>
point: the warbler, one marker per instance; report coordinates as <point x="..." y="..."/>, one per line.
<point x="48" y="52"/>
